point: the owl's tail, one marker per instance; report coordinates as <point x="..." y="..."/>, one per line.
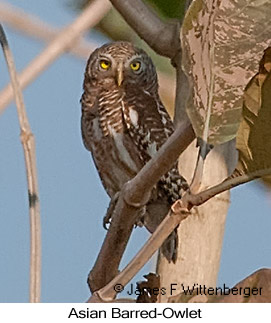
<point x="169" y="247"/>
<point x="156" y="210"/>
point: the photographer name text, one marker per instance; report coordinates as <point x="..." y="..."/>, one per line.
<point x="195" y="289"/>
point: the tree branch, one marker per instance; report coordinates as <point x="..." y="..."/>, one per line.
<point x="32" y="26"/>
<point x="89" y="18"/>
<point x="162" y="37"/>
<point x="133" y="195"/>
<point x="204" y="196"/>
<point x="182" y="92"/>
<point x="28" y="144"/>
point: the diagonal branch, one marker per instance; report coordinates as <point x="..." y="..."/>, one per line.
<point x="28" y="144"/>
<point x="133" y="195"/>
<point x="33" y="26"/>
<point x="89" y="18"/>
<point x="170" y="222"/>
<point x="159" y="165"/>
<point x="162" y="37"/>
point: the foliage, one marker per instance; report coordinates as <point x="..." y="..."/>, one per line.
<point x="222" y="43"/>
<point x="171" y="9"/>
<point x="254" y="135"/>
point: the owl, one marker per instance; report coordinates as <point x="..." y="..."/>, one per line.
<point x="124" y="123"/>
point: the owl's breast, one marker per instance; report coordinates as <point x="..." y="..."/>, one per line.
<point x="112" y="148"/>
<point x="109" y="112"/>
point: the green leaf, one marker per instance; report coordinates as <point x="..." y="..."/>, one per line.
<point x="222" y="42"/>
<point x="168" y="9"/>
<point x="254" y="135"/>
<point x="115" y="27"/>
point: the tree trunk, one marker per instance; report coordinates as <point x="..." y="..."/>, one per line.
<point x="201" y="234"/>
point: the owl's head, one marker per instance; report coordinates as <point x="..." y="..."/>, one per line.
<point x="121" y="64"/>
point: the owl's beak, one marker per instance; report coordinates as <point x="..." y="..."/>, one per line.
<point x="119" y="75"/>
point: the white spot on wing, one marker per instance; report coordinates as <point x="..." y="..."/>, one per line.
<point x="133" y="117"/>
<point x="164" y="120"/>
<point x="151" y="146"/>
<point x="146" y="92"/>
<point x="152" y="149"/>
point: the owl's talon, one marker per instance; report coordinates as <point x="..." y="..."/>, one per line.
<point x="106" y="222"/>
<point x="138" y="223"/>
<point x="140" y="220"/>
<point x="110" y="211"/>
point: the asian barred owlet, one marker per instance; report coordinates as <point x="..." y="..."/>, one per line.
<point x="124" y="123"/>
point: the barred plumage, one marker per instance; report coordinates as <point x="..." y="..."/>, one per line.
<point x="124" y="123"/>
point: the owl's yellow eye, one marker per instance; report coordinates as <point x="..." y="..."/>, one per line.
<point x="135" y="66"/>
<point x="105" y="64"/>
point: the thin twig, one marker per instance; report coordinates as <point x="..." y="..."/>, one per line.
<point x="89" y="18"/>
<point x="28" y="143"/>
<point x="162" y="37"/>
<point x="204" y="149"/>
<point x="202" y="197"/>
<point x="34" y="27"/>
